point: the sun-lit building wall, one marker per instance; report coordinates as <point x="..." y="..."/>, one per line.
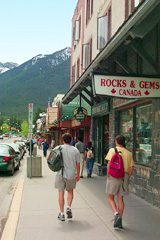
<point x="93" y="24"/>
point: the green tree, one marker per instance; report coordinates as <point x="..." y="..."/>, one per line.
<point x="5" y="127"/>
<point x="24" y="128"/>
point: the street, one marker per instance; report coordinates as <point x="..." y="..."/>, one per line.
<point x="7" y="188"/>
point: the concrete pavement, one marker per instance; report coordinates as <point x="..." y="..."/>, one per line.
<point x="34" y="214"/>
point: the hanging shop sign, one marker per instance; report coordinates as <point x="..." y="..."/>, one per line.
<point x="127" y="87"/>
<point x="80" y="113"/>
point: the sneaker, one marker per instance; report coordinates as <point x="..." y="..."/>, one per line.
<point x="69" y="213"/>
<point x="61" y="217"/>
<point x="117" y="221"/>
<point x="120" y="224"/>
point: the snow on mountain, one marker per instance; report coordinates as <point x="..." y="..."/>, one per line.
<point x="7" y="66"/>
<point x="55" y="58"/>
<point x="36" y="58"/>
<point x="51" y="60"/>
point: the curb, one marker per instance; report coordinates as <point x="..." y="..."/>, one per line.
<point x="9" y="231"/>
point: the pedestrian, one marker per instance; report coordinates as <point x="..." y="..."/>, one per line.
<point x="67" y="180"/>
<point x="73" y="142"/>
<point x="81" y="147"/>
<point x="52" y="143"/>
<point x="45" y="147"/>
<point x="30" y="145"/>
<point x="89" y="153"/>
<point x="119" y="187"/>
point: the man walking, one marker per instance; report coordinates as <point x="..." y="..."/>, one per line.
<point x="67" y="180"/>
<point x="118" y="187"/>
<point x="81" y="147"/>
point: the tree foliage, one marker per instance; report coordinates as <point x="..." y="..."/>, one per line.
<point x="24" y="128"/>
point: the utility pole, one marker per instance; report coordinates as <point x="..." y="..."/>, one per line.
<point x="30" y="122"/>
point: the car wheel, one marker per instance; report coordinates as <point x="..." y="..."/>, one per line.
<point x="11" y="173"/>
<point x="17" y="168"/>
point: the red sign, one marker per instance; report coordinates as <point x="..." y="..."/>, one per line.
<point x="127" y="87"/>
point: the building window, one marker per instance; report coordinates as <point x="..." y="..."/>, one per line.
<point x="130" y="5"/>
<point x="77" y="31"/>
<point x="73" y="78"/>
<point x="86" y="54"/>
<point x="90" y="50"/>
<point x="78" y="69"/>
<point x="89" y="10"/>
<point x="104" y="30"/>
<point x="136" y="3"/>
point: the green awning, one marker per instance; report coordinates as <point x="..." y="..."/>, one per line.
<point x="67" y="110"/>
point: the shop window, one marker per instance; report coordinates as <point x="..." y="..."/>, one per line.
<point x="143" y="134"/>
<point x="157" y="133"/>
<point x="138" y="133"/>
<point x="126" y="127"/>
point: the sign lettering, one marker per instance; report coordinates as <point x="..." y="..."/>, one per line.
<point x="127" y="87"/>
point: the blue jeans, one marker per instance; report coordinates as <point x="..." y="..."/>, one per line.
<point x="89" y="165"/>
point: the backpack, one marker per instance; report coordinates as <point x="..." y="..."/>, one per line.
<point x="116" y="167"/>
<point x="55" y="159"/>
<point x="90" y="154"/>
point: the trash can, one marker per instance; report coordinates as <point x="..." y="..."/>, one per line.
<point x="34" y="166"/>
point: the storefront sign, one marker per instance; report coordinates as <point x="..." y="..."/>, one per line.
<point x="127" y="87"/>
<point x="80" y="113"/>
<point x="100" y="109"/>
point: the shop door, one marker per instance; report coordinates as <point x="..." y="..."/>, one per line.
<point x="101" y="138"/>
<point x="105" y="145"/>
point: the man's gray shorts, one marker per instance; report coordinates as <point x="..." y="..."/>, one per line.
<point x="115" y="186"/>
<point x="64" y="184"/>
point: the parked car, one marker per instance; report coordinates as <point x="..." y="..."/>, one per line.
<point x="1" y="137"/>
<point x="8" y="159"/>
<point x="16" y="148"/>
<point x="6" y="134"/>
<point x="22" y="146"/>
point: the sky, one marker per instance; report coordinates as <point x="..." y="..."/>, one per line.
<point x="32" y="27"/>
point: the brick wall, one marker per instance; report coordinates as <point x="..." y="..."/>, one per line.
<point x="145" y="184"/>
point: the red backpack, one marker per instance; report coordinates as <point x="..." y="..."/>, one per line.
<point x="116" y="166"/>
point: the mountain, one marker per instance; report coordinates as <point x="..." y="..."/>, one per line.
<point x="7" y="66"/>
<point x="35" y="81"/>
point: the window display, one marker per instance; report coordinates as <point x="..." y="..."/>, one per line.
<point x="156" y="132"/>
<point x="138" y="134"/>
<point x="126" y="127"/>
<point x="143" y="134"/>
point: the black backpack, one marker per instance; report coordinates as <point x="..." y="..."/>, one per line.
<point x="55" y="159"/>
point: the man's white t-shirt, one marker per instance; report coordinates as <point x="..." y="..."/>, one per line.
<point x="71" y="156"/>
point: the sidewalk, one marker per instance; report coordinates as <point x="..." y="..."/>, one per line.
<point x="92" y="217"/>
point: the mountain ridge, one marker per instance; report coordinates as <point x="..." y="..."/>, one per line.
<point x="7" y="66"/>
<point x="36" y="80"/>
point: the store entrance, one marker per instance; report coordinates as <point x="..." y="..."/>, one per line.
<point x="101" y="138"/>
